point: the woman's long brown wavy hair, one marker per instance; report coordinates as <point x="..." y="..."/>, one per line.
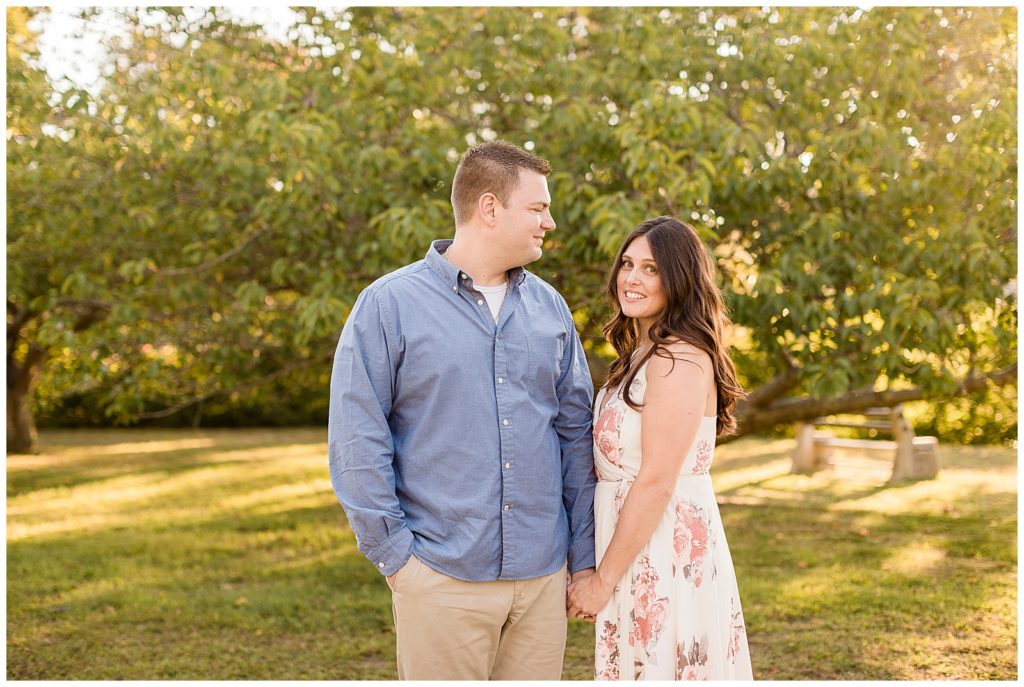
<point x="694" y="312"/>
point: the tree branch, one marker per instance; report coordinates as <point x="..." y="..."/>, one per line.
<point x="217" y="260"/>
<point x="95" y="311"/>
<point x="21" y="317"/>
<point x="753" y="419"/>
<point x="783" y="382"/>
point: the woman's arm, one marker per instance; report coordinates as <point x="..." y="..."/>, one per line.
<point x="677" y="393"/>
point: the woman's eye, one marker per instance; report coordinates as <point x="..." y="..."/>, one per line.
<point x="626" y="264"/>
<point x="651" y="269"/>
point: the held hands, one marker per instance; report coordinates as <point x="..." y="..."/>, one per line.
<point x="586" y="595"/>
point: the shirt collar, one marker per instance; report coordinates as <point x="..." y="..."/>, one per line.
<point x="450" y="274"/>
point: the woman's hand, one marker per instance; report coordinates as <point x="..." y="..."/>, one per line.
<point x="586" y="597"/>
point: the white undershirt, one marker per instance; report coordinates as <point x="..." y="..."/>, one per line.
<point x="494" y="295"/>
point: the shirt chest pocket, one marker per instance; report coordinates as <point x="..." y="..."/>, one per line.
<point x="545" y="365"/>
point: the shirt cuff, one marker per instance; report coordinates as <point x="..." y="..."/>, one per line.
<point x="389" y="556"/>
<point x="581" y="557"/>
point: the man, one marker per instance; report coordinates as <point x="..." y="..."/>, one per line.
<point x="460" y="436"/>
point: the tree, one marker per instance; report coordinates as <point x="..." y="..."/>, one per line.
<point x="39" y="316"/>
<point x="855" y="172"/>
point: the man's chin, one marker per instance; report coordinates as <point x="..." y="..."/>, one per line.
<point x="528" y="257"/>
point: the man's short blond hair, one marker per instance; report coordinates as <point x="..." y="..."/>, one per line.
<point x="491" y="167"/>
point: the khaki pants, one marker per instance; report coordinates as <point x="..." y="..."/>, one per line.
<point x="449" y="629"/>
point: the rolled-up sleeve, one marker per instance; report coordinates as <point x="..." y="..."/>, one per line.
<point x="574" y="426"/>
<point x="360" y="445"/>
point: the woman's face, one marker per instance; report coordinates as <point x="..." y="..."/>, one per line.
<point x="639" y="284"/>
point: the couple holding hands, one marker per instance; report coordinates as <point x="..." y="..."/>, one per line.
<point x="480" y="477"/>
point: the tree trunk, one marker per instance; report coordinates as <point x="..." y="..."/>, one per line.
<point x="598" y="369"/>
<point x="22" y="375"/>
<point x="21" y="424"/>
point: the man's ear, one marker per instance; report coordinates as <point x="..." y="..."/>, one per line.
<point x="487" y="204"/>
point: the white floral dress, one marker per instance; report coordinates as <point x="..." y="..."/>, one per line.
<point x="675" y="614"/>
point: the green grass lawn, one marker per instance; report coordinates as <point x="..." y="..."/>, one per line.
<point x="224" y="555"/>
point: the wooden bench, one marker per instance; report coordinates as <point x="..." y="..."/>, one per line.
<point x="913" y="457"/>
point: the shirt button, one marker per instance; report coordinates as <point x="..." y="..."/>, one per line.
<point x="501" y="380"/>
<point x="455" y="288"/>
<point x="381" y="564"/>
<point x="507" y="506"/>
<point x="465" y="276"/>
<point x="508" y="465"/>
<point x="480" y="302"/>
<point x="505" y="422"/>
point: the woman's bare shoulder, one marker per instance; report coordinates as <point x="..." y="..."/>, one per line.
<point x="666" y="361"/>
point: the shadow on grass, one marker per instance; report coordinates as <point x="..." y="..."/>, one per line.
<point x="744" y="453"/>
<point x="172" y="604"/>
<point x="828" y="577"/>
<point x="825" y="557"/>
<point x="63" y="463"/>
<point x="251" y="571"/>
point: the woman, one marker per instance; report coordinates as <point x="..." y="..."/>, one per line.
<point x="664" y="594"/>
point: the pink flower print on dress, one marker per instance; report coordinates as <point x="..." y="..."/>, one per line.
<point x="606" y="432"/>
<point x="638" y="670"/>
<point x="703" y="457"/>
<point x="737" y="632"/>
<point x="692" y="663"/>
<point x="608" y="652"/>
<point x="620" y="497"/>
<point x="649" y="610"/>
<point x="690" y="541"/>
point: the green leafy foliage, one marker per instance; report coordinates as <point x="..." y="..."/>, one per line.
<point x="227" y="196"/>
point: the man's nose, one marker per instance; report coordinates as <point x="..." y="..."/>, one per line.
<point x="548" y="222"/>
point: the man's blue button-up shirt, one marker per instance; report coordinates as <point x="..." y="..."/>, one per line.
<point x="462" y="440"/>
